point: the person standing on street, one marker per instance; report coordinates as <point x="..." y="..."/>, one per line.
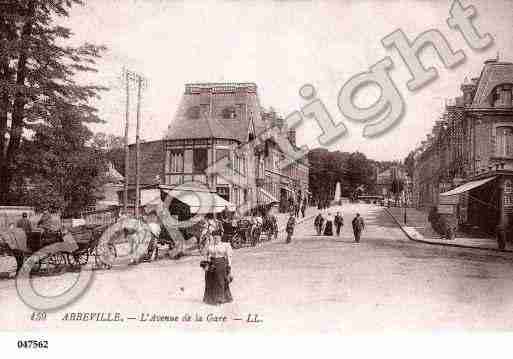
<point x="358" y="227"/>
<point x="218" y="274"/>
<point x="318" y="222"/>
<point x="303" y="208"/>
<point x="339" y="222"/>
<point x="291" y="223"/>
<point x="328" y="228"/>
<point x="24" y="223"/>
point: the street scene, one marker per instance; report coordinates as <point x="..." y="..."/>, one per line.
<point x="273" y="167"/>
<point x="314" y="284"/>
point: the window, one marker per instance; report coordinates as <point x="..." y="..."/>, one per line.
<point x="242" y="169"/>
<point x="176" y="161"/>
<point x="236" y="197"/>
<point x="504" y="141"/>
<point x="193" y="113"/>
<point x="223" y="192"/>
<point x="229" y="112"/>
<point x="501" y="96"/>
<point x="187" y="161"/>
<point x="200" y="160"/>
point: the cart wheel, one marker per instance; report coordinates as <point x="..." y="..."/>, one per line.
<point x="236" y="241"/>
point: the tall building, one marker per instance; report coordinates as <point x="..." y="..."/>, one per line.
<point x="217" y="121"/>
<point x="467" y="160"/>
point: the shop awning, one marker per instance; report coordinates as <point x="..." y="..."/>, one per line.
<point x="266" y="197"/>
<point x="201" y="201"/>
<point x="467" y="186"/>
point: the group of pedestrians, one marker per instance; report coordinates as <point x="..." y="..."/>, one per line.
<point x="326" y="224"/>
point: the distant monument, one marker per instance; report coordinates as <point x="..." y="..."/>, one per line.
<point x="337" y="199"/>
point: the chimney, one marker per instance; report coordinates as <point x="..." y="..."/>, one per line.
<point x="468" y="88"/>
<point x="291" y="136"/>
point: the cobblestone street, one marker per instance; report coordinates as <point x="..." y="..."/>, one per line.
<point x="316" y="283"/>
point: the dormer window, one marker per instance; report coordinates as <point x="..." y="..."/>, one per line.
<point x="501" y="96"/>
<point x="229" y="113"/>
<point x="193" y="113"/>
<point x="504" y="141"/>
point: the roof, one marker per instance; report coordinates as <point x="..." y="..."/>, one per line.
<point x="112" y="174"/>
<point x="211" y="100"/>
<point x="494" y="73"/>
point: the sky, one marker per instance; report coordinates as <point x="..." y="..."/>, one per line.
<point x="280" y="45"/>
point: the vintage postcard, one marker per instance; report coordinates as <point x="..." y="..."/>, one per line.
<point x="255" y="167"/>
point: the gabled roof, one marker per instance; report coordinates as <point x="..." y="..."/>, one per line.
<point x="211" y="123"/>
<point x="494" y="73"/>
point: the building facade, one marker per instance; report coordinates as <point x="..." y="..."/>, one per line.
<point x="223" y="123"/>
<point x="468" y="157"/>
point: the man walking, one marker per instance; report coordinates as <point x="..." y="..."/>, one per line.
<point x="291" y="223"/>
<point x="318" y="222"/>
<point x="358" y="226"/>
<point x="339" y="222"/>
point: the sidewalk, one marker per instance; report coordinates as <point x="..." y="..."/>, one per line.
<point x="419" y="229"/>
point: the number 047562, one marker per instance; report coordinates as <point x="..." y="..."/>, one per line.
<point x="33" y="344"/>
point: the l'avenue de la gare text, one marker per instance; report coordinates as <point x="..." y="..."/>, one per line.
<point x="143" y="317"/>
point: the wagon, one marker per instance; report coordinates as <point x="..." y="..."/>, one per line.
<point x="22" y="246"/>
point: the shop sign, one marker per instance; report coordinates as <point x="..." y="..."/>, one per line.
<point x="445" y="209"/>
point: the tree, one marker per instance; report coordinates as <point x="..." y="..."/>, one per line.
<point x="37" y="83"/>
<point x="62" y="172"/>
<point x="360" y="171"/>
<point x="409" y="163"/>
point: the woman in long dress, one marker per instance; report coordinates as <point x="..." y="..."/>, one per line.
<point x="218" y="273"/>
<point x="328" y="228"/>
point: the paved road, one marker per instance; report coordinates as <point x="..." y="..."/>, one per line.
<point x="314" y="284"/>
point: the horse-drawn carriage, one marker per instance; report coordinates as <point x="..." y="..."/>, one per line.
<point x="249" y="231"/>
<point x="79" y="244"/>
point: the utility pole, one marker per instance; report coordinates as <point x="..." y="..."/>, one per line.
<point x="127" y="155"/>
<point x="137" y="149"/>
<point x="132" y="76"/>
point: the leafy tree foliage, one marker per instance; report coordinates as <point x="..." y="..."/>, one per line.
<point x="39" y="96"/>
<point x="352" y="170"/>
<point x="61" y="172"/>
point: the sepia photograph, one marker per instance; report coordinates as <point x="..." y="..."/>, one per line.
<point x="259" y="168"/>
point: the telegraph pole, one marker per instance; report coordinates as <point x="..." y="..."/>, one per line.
<point x="132" y="76"/>
<point x="127" y="155"/>
<point x="137" y="155"/>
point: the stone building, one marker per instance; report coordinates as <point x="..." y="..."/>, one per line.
<point x="467" y="160"/>
<point x="217" y="121"/>
<point x="385" y="178"/>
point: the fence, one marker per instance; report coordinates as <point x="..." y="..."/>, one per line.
<point x="101" y="217"/>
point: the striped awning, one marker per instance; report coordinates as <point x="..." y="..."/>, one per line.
<point x="266" y="197"/>
<point x="467" y="186"/>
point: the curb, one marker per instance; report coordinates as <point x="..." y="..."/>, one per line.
<point x="443" y="244"/>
